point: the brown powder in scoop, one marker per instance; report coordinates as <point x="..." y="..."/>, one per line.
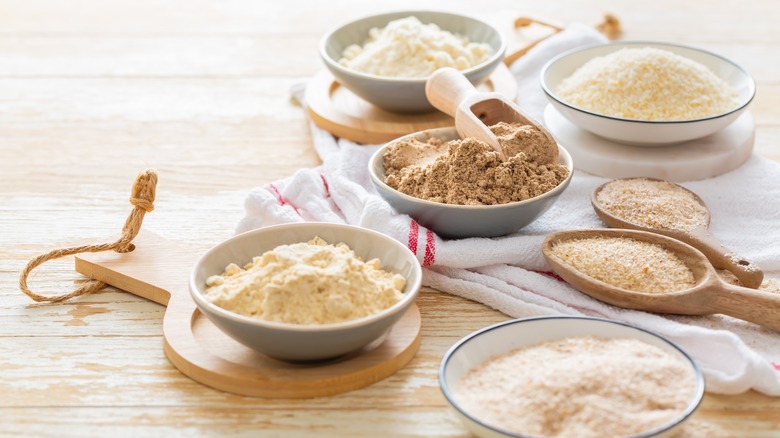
<point x="469" y="172"/>
<point x="515" y="138"/>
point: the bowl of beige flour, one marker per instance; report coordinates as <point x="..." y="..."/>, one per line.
<point x="568" y="376"/>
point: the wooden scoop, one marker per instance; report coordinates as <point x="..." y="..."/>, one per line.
<point x="749" y="275"/>
<point x="709" y="295"/>
<point x="450" y="92"/>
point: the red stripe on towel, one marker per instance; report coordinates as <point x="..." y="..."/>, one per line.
<point x="430" y="248"/>
<point x="414" y="232"/>
<point x="325" y="183"/>
<point x="552" y="275"/>
<point x="776" y="365"/>
<point x="282" y="200"/>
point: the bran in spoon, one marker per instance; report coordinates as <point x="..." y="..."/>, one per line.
<point x="626" y="263"/>
<point x="652" y="204"/>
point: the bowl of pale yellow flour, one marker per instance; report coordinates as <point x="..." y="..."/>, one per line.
<point x="307" y="291"/>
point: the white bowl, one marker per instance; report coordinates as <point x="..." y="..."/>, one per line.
<point x="405" y="95"/>
<point x="643" y="132"/>
<point x="296" y="342"/>
<point x="504" y="337"/>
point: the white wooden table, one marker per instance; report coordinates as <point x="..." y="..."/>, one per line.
<point x="94" y="91"/>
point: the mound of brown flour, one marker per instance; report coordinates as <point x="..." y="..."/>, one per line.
<point x="469" y="172"/>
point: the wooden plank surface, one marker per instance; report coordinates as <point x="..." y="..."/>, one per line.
<point x="94" y="91"/>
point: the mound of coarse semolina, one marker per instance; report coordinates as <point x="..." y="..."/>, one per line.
<point x="647" y="84"/>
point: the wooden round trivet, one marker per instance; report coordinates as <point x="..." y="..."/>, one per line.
<point x="159" y="270"/>
<point x="697" y="159"/>
<point x="335" y="109"/>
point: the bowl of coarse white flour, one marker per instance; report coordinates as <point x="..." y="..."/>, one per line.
<point x="386" y="58"/>
<point x="564" y="376"/>
<point x="647" y="93"/>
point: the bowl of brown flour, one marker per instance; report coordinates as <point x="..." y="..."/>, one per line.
<point x="460" y="188"/>
<point x="570" y="376"/>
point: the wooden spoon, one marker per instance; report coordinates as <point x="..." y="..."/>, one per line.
<point x="709" y="295"/>
<point x="450" y="92"/>
<point x="749" y="275"/>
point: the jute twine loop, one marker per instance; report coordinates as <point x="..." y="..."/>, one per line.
<point x="142" y="199"/>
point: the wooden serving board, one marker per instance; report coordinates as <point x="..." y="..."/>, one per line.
<point x="337" y="110"/>
<point x="694" y="160"/>
<point x="159" y="270"/>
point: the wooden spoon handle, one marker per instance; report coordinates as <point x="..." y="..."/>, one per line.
<point x="447" y="88"/>
<point x="749" y="275"/>
<point x="760" y="307"/>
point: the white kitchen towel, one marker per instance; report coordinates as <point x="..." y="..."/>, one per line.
<point x="509" y="273"/>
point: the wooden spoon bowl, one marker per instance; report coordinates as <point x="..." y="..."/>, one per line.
<point x="749" y="274"/>
<point x="710" y="294"/>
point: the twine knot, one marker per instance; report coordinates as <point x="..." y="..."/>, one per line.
<point x="144" y="204"/>
<point x="144" y="189"/>
<point x="142" y="198"/>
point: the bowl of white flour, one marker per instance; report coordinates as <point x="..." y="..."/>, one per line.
<point x="385" y="59"/>
<point x="568" y="376"/>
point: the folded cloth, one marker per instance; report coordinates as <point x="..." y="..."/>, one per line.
<point x="509" y="273"/>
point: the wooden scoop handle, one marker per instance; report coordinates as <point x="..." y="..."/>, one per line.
<point x="749" y="275"/>
<point x="449" y="91"/>
<point x="759" y="307"/>
<point x="447" y="88"/>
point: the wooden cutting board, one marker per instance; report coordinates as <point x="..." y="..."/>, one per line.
<point x="159" y="270"/>
<point x="335" y="109"/>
